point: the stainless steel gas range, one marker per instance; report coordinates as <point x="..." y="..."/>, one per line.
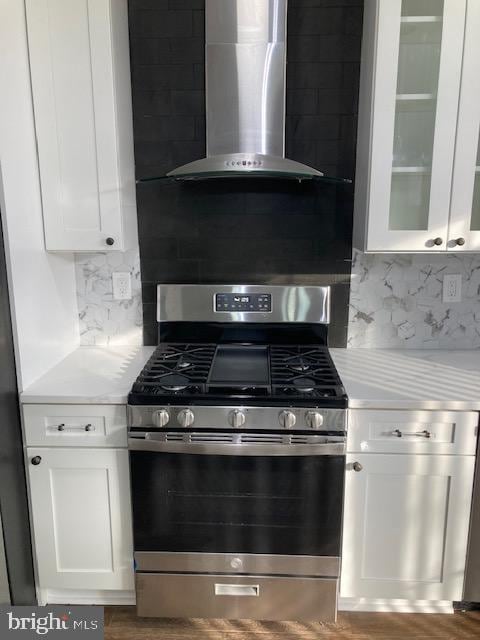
<point x="237" y="428"/>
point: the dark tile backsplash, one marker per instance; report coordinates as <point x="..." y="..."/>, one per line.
<point x="252" y="231"/>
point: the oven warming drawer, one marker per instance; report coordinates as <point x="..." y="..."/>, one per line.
<point x="236" y="597"/>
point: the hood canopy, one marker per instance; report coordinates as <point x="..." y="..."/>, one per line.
<point x="245" y="55"/>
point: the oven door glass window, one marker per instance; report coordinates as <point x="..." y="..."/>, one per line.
<point x="288" y="505"/>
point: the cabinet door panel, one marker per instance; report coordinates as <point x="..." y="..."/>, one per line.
<point x="81" y="530"/>
<point x="71" y="61"/>
<point x="406" y="526"/>
<point x="414" y="556"/>
<point x="465" y="205"/>
<point x="80" y="502"/>
<point x="415" y="88"/>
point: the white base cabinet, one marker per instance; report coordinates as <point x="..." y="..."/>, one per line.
<point x="81" y="516"/>
<point x="406" y="520"/>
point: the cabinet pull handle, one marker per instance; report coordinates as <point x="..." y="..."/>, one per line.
<point x="88" y="427"/>
<point x="356" y="466"/>
<point x="36" y="460"/>
<point x="61" y="427"/>
<point x="417" y="434"/>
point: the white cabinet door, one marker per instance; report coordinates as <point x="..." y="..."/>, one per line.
<point x="464" y="234"/>
<point x="81" y="92"/>
<point x="80" y="504"/>
<point x="406" y="526"/>
<point x="411" y="67"/>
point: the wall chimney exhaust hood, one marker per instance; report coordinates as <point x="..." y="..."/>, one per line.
<point x="245" y="55"/>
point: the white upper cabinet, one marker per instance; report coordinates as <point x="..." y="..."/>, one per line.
<point x="417" y="185"/>
<point x="79" y="57"/>
<point x="465" y="206"/>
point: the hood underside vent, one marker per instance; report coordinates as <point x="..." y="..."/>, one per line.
<point x="245" y="56"/>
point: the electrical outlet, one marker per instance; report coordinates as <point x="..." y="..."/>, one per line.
<point x="452" y="288"/>
<point x="122" y="286"/>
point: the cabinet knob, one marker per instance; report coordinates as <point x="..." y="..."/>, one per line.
<point x="460" y="241"/>
<point x="110" y="241"/>
<point x="88" y="427"/>
<point x="36" y="460"/>
<point x="438" y="241"/>
<point x="61" y="427"/>
<point x="356" y="466"/>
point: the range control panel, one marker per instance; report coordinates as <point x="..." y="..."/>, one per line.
<point x="243" y="302"/>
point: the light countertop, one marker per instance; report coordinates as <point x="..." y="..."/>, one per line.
<point x="410" y="379"/>
<point x="373" y="378"/>
<point x="93" y="375"/>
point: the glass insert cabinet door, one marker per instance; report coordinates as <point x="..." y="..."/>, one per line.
<point x="416" y="84"/>
<point x="464" y="230"/>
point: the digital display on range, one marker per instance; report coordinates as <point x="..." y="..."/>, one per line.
<point x="251" y="303"/>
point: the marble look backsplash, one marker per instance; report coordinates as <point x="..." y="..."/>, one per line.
<point x="103" y="320"/>
<point x="396" y="302"/>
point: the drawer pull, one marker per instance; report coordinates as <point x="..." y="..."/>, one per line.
<point x="417" y="434"/>
<point x="61" y="427"/>
<point x="237" y="589"/>
<point x="88" y="427"/>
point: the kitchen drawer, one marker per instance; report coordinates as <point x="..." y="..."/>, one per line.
<point x="235" y="597"/>
<point x="75" y="425"/>
<point x="434" y="432"/>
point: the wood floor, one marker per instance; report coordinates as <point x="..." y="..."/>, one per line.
<point x="121" y="623"/>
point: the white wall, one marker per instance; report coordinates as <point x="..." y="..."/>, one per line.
<point x="42" y="285"/>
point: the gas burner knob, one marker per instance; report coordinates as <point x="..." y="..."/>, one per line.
<point x="314" y="419"/>
<point x="287" y="419"/>
<point x="236" y="418"/>
<point x="161" y="418"/>
<point x="185" y="417"/>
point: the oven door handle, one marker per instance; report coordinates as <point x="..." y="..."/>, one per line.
<point x="243" y="449"/>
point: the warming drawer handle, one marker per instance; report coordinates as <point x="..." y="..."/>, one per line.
<point x="417" y="434"/>
<point x="237" y="589"/>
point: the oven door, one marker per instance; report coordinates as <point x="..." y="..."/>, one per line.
<point x="195" y="502"/>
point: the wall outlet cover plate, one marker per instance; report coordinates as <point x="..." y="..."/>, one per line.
<point x="122" y="286"/>
<point x="452" y="288"/>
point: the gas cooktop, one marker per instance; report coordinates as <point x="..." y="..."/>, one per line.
<point x="192" y="373"/>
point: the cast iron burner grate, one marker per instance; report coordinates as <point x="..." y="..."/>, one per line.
<point x="176" y="368"/>
<point x="288" y="372"/>
<point x="306" y="371"/>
